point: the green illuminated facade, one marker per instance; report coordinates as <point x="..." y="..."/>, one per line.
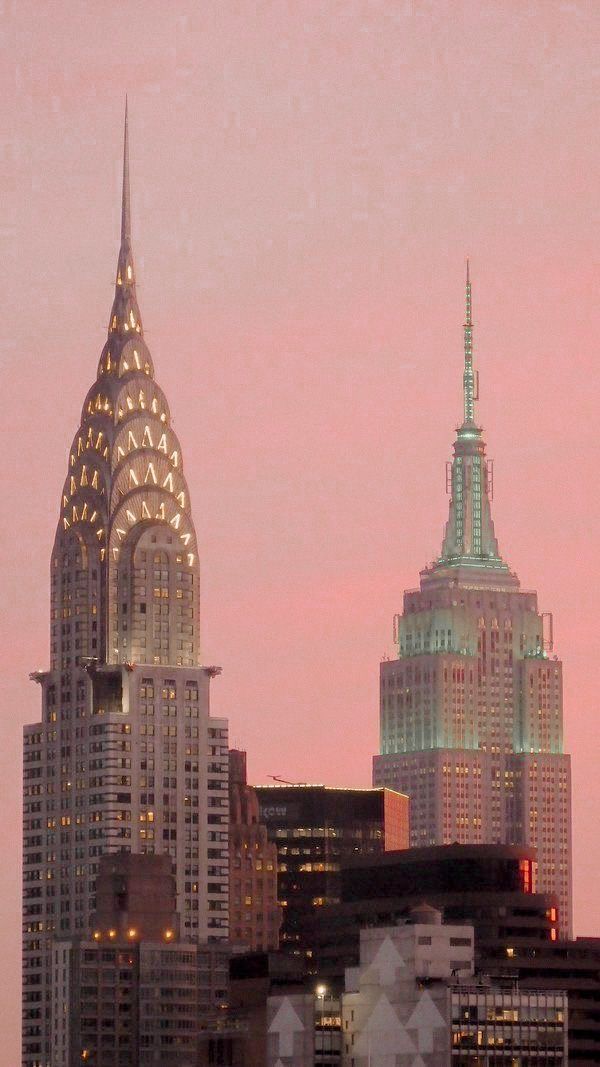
<point x="471" y="710"/>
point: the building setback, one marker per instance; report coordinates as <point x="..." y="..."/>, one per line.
<point x="471" y="722"/>
<point x="316" y="829"/>
<point x="126" y="756"/>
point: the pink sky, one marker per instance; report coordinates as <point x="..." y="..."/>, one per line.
<point x="307" y="180"/>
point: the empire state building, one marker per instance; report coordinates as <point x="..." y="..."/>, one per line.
<point x="126" y="756"/>
<point x="471" y="722"/>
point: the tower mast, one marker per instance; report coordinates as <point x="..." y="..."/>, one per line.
<point x="469" y="378"/>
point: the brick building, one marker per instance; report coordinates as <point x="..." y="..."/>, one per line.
<point x="255" y="915"/>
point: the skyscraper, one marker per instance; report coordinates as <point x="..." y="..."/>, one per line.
<point x="126" y="756"/>
<point x="316" y="830"/>
<point x="471" y="710"/>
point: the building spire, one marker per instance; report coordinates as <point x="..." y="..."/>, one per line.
<point x="126" y="197"/>
<point x="469" y="378"/>
<point x="125" y="317"/>
<point x="469" y="538"/>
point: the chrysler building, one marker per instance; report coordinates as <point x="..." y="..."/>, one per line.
<point x="471" y="722"/>
<point x="126" y="756"/>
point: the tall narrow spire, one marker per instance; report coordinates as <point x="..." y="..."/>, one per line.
<point x="125" y="314"/>
<point x="469" y="380"/>
<point x="126" y="198"/>
<point x="469" y="538"/>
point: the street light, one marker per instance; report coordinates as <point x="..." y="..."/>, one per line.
<point x="321" y="992"/>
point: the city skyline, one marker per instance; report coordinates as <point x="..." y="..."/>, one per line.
<point x="327" y="354"/>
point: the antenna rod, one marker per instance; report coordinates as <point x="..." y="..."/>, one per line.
<point x="468" y="373"/>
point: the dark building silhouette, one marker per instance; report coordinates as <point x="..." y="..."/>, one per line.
<point x="491" y="886"/>
<point x="254" y="978"/>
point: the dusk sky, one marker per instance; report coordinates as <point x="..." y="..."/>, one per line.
<point x="308" y="178"/>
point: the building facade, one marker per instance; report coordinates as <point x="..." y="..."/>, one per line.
<point x="575" y="967"/>
<point x="255" y="915"/>
<point x="471" y="722"/>
<point x="126" y="756"/>
<point x="489" y="887"/>
<point x="316" y="829"/>
<point x="133" y="993"/>
<point x="414" y="1000"/>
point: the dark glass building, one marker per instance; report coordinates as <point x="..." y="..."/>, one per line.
<point x="491" y="887"/>
<point x="317" y="829"/>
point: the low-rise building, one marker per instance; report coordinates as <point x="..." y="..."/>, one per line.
<point x="414" y="999"/>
